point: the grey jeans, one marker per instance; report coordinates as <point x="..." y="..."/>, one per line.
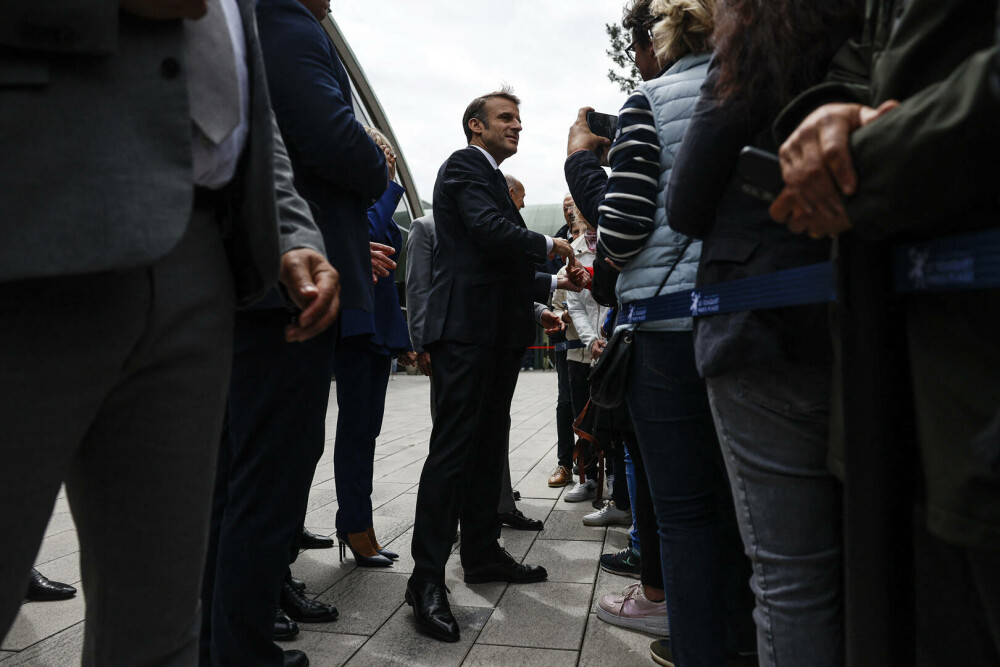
<point x="116" y="383"/>
<point x="773" y="427"/>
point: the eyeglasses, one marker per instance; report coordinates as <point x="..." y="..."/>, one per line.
<point x="630" y="49"/>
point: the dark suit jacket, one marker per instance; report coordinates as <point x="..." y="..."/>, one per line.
<point x="484" y="283"/>
<point x="338" y="168"/>
<point x="390" y="333"/>
<point x="97" y="176"/>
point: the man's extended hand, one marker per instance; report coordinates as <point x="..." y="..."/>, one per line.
<point x="314" y="286"/>
<point x="381" y="264"/>
<point x="408" y="358"/>
<point x="562" y="248"/>
<point x="551" y="322"/>
<point x="581" y="138"/>
<point x="818" y="171"/>
<point x="165" y="9"/>
<point x="424" y="363"/>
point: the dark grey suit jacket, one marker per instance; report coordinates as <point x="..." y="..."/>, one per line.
<point x="419" y="270"/>
<point x="97" y="175"/>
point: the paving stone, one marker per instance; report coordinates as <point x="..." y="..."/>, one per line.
<point x="388" y="528"/>
<point x="320" y="498"/>
<point x="57" y="546"/>
<point x="386" y="466"/>
<point x="366" y="598"/>
<point x="324" y="473"/>
<point x="323" y="520"/>
<point x="321" y="569"/>
<point x="522" y="463"/>
<point x="543" y="615"/>
<point x="569" y="561"/>
<point x="39" y="620"/>
<point x="59" y="523"/>
<point x="400" y="642"/>
<point x="470" y="595"/>
<point x="603" y="640"/>
<point x="58" y="650"/>
<point x="517" y="542"/>
<point x="325" y="649"/>
<point x="485" y="655"/>
<point x="568" y="526"/>
<point x="535" y="484"/>
<point x="413" y="452"/>
<point x="403" y="505"/>
<point x="409" y="474"/>
<point x="383" y="492"/>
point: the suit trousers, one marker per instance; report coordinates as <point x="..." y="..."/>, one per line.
<point x="473" y="388"/>
<point x="362" y="380"/>
<point x="115" y="382"/>
<point x="272" y="440"/>
<point x="507" y="504"/>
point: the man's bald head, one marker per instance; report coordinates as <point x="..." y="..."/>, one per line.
<point x="516" y="190"/>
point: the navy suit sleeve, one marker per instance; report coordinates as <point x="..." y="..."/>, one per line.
<point x="587" y="182"/>
<point x="542" y="286"/>
<point x="312" y="101"/>
<point x="380" y="214"/>
<point x="475" y="198"/>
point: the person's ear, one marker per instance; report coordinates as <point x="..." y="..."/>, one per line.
<point x="476" y="126"/>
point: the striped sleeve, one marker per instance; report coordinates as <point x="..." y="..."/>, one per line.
<point x="626" y="214"/>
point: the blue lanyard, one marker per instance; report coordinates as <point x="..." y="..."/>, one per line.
<point x="815" y="283"/>
<point x="964" y="262"/>
<point x="569" y="345"/>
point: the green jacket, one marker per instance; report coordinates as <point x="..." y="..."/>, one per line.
<point x="928" y="168"/>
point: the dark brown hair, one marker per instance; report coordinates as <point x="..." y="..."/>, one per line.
<point x="475" y="108"/>
<point x="636" y="15"/>
<point x="768" y="51"/>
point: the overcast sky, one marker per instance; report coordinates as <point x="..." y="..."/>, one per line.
<point x="428" y="59"/>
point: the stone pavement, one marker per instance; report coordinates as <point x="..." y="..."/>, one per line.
<point x="550" y="624"/>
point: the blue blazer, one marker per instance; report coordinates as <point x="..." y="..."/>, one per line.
<point x="390" y="334"/>
<point x="338" y="169"/>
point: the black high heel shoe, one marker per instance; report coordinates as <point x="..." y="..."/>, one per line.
<point x="377" y="560"/>
<point x="391" y="555"/>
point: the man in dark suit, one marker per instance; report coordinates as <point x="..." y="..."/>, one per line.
<point x="478" y="323"/>
<point x="279" y="392"/>
<point x="131" y="234"/>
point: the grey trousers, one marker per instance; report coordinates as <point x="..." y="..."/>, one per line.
<point x="506" y="504"/>
<point x="115" y="383"/>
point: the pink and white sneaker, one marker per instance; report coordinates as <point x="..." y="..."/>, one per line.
<point x="633" y="610"/>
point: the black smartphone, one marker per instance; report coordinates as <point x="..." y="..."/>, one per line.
<point x="759" y="173"/>
<point x="602" y="124"/>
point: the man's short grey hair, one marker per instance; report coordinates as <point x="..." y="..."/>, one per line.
<point x="512" y="182"/>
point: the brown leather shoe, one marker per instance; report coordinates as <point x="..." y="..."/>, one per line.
<point x="561" y="476"/>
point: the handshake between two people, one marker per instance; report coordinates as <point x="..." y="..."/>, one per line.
<point x="577" y="277"/>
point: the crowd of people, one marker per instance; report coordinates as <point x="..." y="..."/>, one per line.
<point x="219" y="242"/>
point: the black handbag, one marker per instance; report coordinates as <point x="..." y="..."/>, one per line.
<point x="609" y="376"/>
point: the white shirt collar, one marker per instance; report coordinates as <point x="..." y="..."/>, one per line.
<point x="489" y="157"/>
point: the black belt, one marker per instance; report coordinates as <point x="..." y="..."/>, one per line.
<point x="219" y="201"/>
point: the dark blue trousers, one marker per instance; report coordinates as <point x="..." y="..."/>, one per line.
<point x="362" y="379"/>
<point x="272" y="439"/>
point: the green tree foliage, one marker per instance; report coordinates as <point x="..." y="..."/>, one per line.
<point x="624" y="74"/>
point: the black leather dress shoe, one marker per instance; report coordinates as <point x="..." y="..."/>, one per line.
<point x="303" y="609"/>
<point x="518" y="521"/>
<point x="314" y="541"/>
<point x="501" y="566"/>
<point x="41" y="589"/>
<point x="516" y="495"/>
<point x="297" y="583"/>
<point x="431" y="610"/>
<point x="284" y="627"/>
<point x="296" y="659"/>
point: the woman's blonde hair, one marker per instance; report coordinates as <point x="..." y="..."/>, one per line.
<point x="380" y="139"/>
<point x="681" y="27"/>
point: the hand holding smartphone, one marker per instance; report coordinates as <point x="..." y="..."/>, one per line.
<point x="760" y="174"/>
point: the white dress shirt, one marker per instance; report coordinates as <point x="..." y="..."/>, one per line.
<point x="215" y="164"/>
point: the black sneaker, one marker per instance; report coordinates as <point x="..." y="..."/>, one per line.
<point x="626" y="563"/>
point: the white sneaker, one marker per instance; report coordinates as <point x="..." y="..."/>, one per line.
<point x="609" y="515"/>
<point x="582" y="491"/>
<point x="633" y="610"/>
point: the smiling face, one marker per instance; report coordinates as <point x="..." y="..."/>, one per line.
<point x="500" y="131"/>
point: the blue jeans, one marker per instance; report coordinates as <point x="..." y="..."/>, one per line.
<point x="633" y="533"/>
<point x="773" y="426"/>
<point x="704" y="571"/>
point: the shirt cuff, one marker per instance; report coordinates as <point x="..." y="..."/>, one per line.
<point x="548" y="244"/>
<point x="555" y="281"/>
